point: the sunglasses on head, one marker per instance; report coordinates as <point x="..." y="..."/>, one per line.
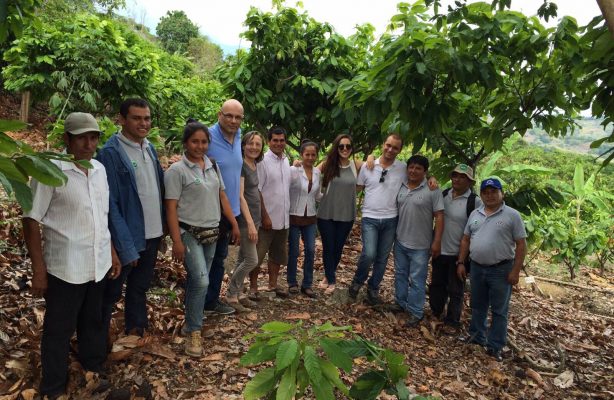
<point x="383" y="177"/>
<point x="345" y="146"/>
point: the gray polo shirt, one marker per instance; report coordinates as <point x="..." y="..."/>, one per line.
<point x="416" y="208"/>
<point x="146" y="175"/>
<point x="455" y="217"/>
<point x="197" y="192"/>
<point x="493" y="237"/>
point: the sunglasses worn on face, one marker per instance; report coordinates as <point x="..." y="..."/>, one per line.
<point x="345" y="147"/>
<point x="383" y="177"/>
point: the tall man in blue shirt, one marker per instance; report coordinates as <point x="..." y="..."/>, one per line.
<point x="225" y="149"/>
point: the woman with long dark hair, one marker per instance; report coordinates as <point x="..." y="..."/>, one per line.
<point x="194" y="200"/>
<point x="337" y="209"/>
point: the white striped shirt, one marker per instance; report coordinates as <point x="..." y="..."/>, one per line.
<point x="77" y="242"/>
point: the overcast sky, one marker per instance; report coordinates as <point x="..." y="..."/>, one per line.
<point x="222" y="21"/>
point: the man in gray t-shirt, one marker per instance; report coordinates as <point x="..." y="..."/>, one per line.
<point x="459" y="201"/>
<point x="495" y="239"/>
<point x="415" y="242"/>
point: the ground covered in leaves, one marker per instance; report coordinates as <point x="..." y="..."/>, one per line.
<point x="557" y="350"/>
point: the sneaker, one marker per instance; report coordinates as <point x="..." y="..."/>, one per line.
<point x="496" y="354"/>
<point x="220" y="309"/>
<point x="353" y="291"/>
<point x="247" y="302"/>
<point x="309" y="293"/>
<point x="237" y="306"/>
<point x="193" y="344"/>
<point x="412" y="321"/>
<point x="373" y="298"/>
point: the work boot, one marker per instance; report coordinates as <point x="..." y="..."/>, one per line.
<point x="373" y="297"/>
<point x="353" y="291"/>
<point x="193" y="344"/>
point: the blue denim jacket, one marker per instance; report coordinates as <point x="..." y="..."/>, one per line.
<point x="125" y="211"/>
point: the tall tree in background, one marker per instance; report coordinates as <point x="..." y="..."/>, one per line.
<point x="290" y="74"/>
<point x="175" y="31"/>
<point x="464" y="81"/>
<point x="205" y="54"/>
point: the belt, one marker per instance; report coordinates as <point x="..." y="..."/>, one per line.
<point x="500" y="263"/>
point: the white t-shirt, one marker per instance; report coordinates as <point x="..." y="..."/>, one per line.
<point x="381" y="197"/>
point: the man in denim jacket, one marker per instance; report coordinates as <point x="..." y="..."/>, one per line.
<point x="136" y="216"/>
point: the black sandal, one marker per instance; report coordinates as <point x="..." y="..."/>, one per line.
<point x="309" y="293"/>
<point x="293" y="289"/>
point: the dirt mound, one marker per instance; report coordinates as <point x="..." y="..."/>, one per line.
<point x="36" y="133"/>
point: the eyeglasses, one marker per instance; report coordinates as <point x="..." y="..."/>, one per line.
<point x="344" y="146"/>
<point x="232" y="116"/>
<point x="383" y="177"/>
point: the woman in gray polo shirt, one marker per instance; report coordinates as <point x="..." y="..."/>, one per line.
<point x="194" y="191"/>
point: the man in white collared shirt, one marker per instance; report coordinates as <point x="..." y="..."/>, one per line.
<point x="274" y="185"/>
<point x="70" y="270"/>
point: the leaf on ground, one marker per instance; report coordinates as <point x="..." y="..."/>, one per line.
<point x="535" y="376"/>
<point x="303" y="316"/>
<point x="427" y="334"/>
<point x="158" y="349"/>
<point x="28" y="394"/>
<point x="214" y="357"/>
<point x="456" y="387"/>
<point x="564" y="380"/>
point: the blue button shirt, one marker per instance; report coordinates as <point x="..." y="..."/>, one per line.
<point x="228" y="158"/>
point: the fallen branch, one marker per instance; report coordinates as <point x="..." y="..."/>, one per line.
<point x="537" y="366"/>
<point x="575" y="285"/>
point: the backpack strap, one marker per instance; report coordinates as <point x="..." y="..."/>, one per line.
<point x="471" y="203"/>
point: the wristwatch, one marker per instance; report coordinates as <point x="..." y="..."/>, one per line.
<point x="460" y="262"/>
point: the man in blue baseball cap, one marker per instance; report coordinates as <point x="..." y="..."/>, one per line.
<point x="495" y="239"/>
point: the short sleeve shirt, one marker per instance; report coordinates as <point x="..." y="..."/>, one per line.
<point x="197" y="192"/>
<point x="251" y="194"/>
<point x="74" y="216"/>
<point x="455" y="217"/>
<point x="380" y="197"/>
<point x="146" y="175"/>
<point x="416" y="209"/>
<point x="493" y="237"/>
<point x="230" y="162"/>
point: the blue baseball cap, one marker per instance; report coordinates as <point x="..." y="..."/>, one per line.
<point x="491" y="182"/>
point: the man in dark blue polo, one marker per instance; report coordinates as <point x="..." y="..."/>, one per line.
<point x="495" y="239"/>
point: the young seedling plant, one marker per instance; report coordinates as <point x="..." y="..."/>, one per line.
<point x="302" y="358"/>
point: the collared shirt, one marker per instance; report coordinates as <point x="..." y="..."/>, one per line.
<point x="230" y="161"/>
<point x="416" y="209"/>
<point x="197" y="191"/>
<point x="147" y="184"/>
<point x="301" y="198"/>
<point x="274" y="184"/>
<point x="381" y="197"/>
<point x="74" y="216"/>
<point x="455" y="217"/>
<point x="493" y="237"/>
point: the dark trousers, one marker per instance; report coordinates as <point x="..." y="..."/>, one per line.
<point x="137" y="279"/>
<point x="446" y="285"/>
<point x="216" y="273"/>
<point x="71" y="307"/>
<point x="334" y="235"/>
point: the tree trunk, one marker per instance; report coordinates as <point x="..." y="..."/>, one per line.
<point x="24" y="111"/>
<point x="607" y="9"/>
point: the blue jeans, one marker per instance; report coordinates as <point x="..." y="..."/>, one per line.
<point x="490" y="289"/>
<point x="334" y="235"/>
<point x="216" y="272"/>
<point x="198" y="259"/>
<point x="138" y="280"/>
<point x="377" y="238"/>
<point x="411" y="266"/>
<point x="308" y="232"/>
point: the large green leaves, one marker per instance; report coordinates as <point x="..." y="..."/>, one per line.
<point x="260" y="385"/>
